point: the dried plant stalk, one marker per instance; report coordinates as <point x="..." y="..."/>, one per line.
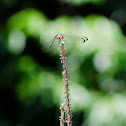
<point x="66" y="84"/>
<point x="66" y="109"/>
<point x="62" y="115"/>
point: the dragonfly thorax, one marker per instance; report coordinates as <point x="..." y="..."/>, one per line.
<point x="59" y="36"/>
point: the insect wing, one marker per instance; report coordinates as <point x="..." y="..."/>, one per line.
<point x="46" y="46"/>
<point x="72" y="38"/>
<point x="50" y="45"/>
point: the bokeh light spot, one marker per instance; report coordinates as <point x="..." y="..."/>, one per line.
<point x="17" y="41"/>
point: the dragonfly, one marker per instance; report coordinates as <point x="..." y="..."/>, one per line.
<point x="60" y="37"/>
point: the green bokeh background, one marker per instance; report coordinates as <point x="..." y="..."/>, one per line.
<point x="31" y="84"/>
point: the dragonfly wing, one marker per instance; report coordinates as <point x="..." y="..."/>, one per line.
<point x="50" y="45"/>
<point x="78" y="39"/>
<point x="46" y="46"/>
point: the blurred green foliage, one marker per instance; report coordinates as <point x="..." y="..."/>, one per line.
<point x="80" y="2"/>
<point x="31" y="81"/>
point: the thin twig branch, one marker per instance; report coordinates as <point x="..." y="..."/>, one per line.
<point x="62" y="115"/>
<point x="66" y="84"/>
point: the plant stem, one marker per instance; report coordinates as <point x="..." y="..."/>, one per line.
<point x="62" y="115"/>
<point x="66" y="84"/>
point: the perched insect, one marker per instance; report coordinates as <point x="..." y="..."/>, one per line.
<point x="79" y="39"/>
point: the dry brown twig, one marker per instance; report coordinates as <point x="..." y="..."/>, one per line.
<point x="66" y="84"/>
<point x="65" y="110"/>
<point x="61" y="118"/>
